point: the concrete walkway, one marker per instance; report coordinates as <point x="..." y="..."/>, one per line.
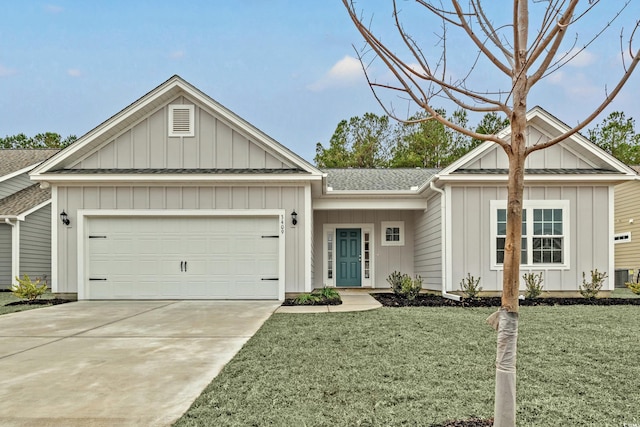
<point x="117" y="363"/>
<point x="352" y="300"/>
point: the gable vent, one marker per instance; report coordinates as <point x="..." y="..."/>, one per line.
<point x="181" y="120"/>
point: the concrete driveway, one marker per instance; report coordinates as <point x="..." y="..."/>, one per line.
<point x="117" y="363"/>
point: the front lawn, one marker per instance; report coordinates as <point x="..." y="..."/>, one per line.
<point x="578" y="365"/>
<point x="8" y="298"/>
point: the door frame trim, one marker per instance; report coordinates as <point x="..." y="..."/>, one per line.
<point x="85" y="214"/>
<point x="364" y="228"/>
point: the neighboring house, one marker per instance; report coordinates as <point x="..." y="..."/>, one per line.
<point x="25" y="218"/>
<point x="627" y="232"/>
<point x="178" y="197"/>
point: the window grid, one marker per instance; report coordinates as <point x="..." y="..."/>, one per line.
<point x="366" y="256"/>
<point x="330" y="255"/>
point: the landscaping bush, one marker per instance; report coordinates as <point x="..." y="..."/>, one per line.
<point x="634" y="287"/>
<point x="404" y="286"/>
<point x="318" y="297"/>
<point x="471" y="286"/>
<point x="533" y="283"/>
<point x="28" y="289"/>
<point x="589" y="290"/>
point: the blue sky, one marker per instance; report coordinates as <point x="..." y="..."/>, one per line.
<point x="287" y="67"/>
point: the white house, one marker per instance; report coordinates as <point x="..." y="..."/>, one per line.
<point x="177" y="197"/>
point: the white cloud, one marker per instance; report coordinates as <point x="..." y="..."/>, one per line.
<point x="74" y="72"/>
<point x="177" y="54"/>
<point x="5" y="72"/>
<point x="343" y="73"/>
<point x="52" y="8"/>
<point x="582" y="59"/>
<point x="556" y="78"/>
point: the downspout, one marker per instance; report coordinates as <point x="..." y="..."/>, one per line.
<point x="443" y="238"/>
<point x="15" y="249"/>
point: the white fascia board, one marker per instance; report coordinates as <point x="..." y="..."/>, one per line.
<point x="371" y="193"/>
<point x="537" y="178"/>
<point x="370" y="204"/>
<point x="18" y="172"/>
<point x="170" y="178"/>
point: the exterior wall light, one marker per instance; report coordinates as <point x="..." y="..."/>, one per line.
<point x="65" y="218"/>
<point x="294" y="217"/>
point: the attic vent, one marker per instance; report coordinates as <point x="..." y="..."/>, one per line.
<point x="181" y="120"/>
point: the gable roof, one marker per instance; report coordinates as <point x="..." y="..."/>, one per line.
<point x="377" y="179"/>
<point x="14" y="161"/>
<point x="20" y="203"/>
<point x="156" y="98"/>
<point x="602" y="165"/>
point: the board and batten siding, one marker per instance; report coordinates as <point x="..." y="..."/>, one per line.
<point x="5" y="256"/>
<point x="554" y="157"/>
<point x="15" y="184"/>
<point x="627" y="219"/>
<point x="387" y="259"/>
<point x="428" y="244"/>
<point x="471" y="234"/>
<point x="283" y="197"/>
<point x="146" y="145"/>
<point x="35" y="245"/>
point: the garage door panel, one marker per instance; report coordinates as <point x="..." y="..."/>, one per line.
<point x="142" y="258"/>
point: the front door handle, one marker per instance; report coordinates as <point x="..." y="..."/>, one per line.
<point x="359" y="258"/>
<point x="185" y="266"/>
<point x="181" y="265"/>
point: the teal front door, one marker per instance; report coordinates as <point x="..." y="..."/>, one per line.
<point x="348" y="259"/>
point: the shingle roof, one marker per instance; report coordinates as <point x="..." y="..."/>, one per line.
<point x="538" y="171"/>
<point x="14" y="160"/>
<point x="377" y="179"/>
<point x="20" y="202"/>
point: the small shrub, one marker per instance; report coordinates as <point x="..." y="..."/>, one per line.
<point x="634" y="287"/>
<point x="322" y="296"/>
<point x="307" y="299"/>
<point x="327" y="293"/>
<point x="589" y="290"/>
<point x="404" y="286"/>
<point x="533" y="282"/>
<point x="27" y="289"/>
<point x="471" y="286"/>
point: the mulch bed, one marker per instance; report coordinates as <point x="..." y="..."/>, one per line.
<point x="326" y="301"/>
<point x="473" y="422"/>
<point x="54" y="301"/>
<point x="429" y="300"/>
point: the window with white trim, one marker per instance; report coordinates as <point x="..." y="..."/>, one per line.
<point x="545" y="233"/>
<point x="392" y="233"/>
<point x="622" y="237"/>
<point x="181" y="120"/>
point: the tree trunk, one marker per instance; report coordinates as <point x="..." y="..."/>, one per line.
<point x="507" y="320"/>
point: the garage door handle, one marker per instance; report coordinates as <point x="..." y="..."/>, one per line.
<point x="185" y="266"/>
<point x="181" y="265"/>
<point x="95" y="278"/>
<point x="269" y="278"/>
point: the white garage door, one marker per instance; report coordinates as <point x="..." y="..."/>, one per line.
<point x="182" y="258"/>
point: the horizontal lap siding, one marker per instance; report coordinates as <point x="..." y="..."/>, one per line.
<point x="428" y="244"/>
<point x="471" y="234"/>
<point x="627" y="205"/>
<point x="35" y="244"/>
<point x="14" y="185"/>
<point x="5" y="256"/>
<point x="288" y="198"/>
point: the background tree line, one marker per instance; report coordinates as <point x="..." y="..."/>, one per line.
<point x="41" y="140"/>
<point x="373" y="141"/>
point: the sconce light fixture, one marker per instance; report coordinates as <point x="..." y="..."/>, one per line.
<point x="65" y="218"/>
<point x="294" y="217"/>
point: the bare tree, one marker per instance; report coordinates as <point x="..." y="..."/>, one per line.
<point x="521" y="53"/>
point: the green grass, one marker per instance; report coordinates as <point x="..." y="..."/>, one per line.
<point x="577" y="366"/>
<point x="7" y="298"/>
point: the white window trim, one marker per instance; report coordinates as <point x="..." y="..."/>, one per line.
<point x="364" y="228"/>
<point x="191" y="109"/>
<point x="383" y="235"/>
<point x="533" y="204"/>
<point x="622" y="237"/>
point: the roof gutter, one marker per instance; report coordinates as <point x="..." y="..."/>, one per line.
<point x="443" y="223"/>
